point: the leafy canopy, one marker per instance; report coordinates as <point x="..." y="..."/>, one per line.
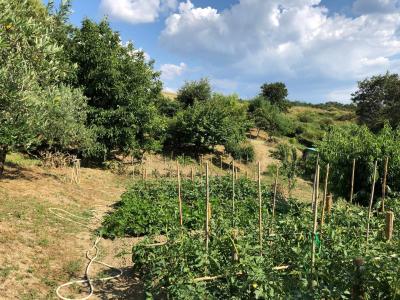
<point x="193" y="91"/>
<point x="220" y="121"/>
<point x="275" y="93"/>
<point x="32" y="71"/>
<point x="378" y="100"/>
<point x="122" y="88"/>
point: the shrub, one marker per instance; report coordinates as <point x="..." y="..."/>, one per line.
<point x="244" y="151"/>
<point x="343" y="144"/>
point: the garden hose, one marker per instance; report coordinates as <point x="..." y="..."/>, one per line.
<point x="63" y="214"/>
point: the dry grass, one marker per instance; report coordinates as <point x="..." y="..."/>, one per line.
<point x="39" y="251"/>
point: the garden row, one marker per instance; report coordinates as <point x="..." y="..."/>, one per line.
<point x="228" y="261"/>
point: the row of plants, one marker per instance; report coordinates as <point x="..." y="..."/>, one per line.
<point x="232" y="266"/>
<point x="150" y="207"/>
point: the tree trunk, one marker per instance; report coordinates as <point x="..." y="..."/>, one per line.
<point x="3" y="153"/>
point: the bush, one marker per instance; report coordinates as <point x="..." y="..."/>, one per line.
<point x="343" y="144"/>
<point x="244" y="151"/>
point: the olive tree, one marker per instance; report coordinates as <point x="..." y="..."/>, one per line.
<point x="31" y="63"/>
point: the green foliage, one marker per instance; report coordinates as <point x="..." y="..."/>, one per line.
<point x="32" y="70"/>
<point x="151" y="207"/>
<point x="276" y="94"/>
<point x="242" y="151"/>
<point x="378" y="100"/>
<point x="220" y="121"/>
<point x="270" y="118"/>
<point x="287" y="154"/>
<point x="60" y="120"/>
<point x="169" y="271"/>
<point x="343" y="144"/>
<point x="168" y="107"/>
<point x="193" y="91"/>
<point x="122" y="88"/>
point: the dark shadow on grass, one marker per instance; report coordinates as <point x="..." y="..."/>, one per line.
<point x="128" y="286"/>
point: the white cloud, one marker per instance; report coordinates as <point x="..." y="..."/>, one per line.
<point x="171" y="71"/>
<point x="137" y="11"/>
<point x="290" y="38"/>
<point x="375" y="6"/>
<point x="341" y="95"/>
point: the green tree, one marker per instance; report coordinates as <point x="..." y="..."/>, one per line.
<point x="275" y="93"/>
<point x="220" y="121"/>
<point x="193" y="91"/>
<point x="122" y="88"/>
<point x="31" y="61"/>
<point x="343" y="144"/>
<point x="269" y="117"/>
<point x="378" y="100"/>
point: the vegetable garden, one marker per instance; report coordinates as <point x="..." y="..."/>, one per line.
<point x="229" y="237"/>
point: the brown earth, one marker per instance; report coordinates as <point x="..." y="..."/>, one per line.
<point x="39" y="251"/>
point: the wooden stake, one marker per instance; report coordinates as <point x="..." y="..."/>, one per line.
<point x="133" y="167"/>
<point x="179" y="194"/>
<point x="192" y="174"/>
<point x="233" y="192"/>
<point x="352" y="180"/>
<point x="260" y="225"/>
<point x="315" y="223"/>
<point x="370" y="202"/>
<point x="275" y="191"/>
<point x="207" y="206"/>
<point x="389" y="225"/>
<point x="384" y="183"/>
<point x="329" y="203"/>
<point x="323" y="202"/>
<point x="220" y="160"/>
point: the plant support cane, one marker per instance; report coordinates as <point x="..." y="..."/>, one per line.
<point x="370" y="204"/>
<point x="315" y="223"/>
<point x="179" y="194"/>
<point x="384" y="186"/>
<point x="323" y="202"/>
<point x="260" y="225"/>
<point x="352" y="181"/>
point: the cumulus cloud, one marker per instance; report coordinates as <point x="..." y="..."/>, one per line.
<point x="291" y="38"/>
<point x="171" y="71"/>
<point x="137" y="11"/>
<point x="375" y="6"/>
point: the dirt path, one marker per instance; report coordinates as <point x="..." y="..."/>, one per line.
<point x="39" y="251"/>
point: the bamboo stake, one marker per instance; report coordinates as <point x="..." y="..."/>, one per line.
<point x="370" y="202"/>
<point x="315" y="212"/>
<point x="389" y="225"/>
<point x="384" y="183"/>
<point x="179" y="194"/>
<point x="352" y="180"/>
<point x="207" y="206"/>
<point x="275" y="190"/>
<point x="133" y="167"/>
<point x="323" y="204"/>
<point x="260" y="209"/>
<point x="233" y="192"/>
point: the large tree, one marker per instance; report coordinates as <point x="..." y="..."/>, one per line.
<point x="220" y="121"/>
<point x="275" y="93"/>
<point x="193" y="91"/>
<point x="378" y="100"/>
<point x="32" y="68"/>
<point x="122" y="88"/>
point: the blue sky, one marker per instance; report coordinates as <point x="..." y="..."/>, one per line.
<point x="320" y="49"/>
